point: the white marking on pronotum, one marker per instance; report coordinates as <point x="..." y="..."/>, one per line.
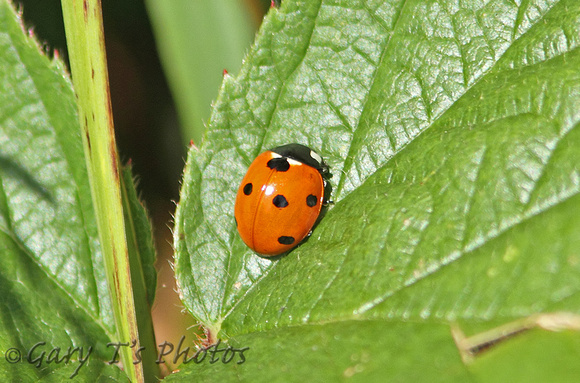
<point x="276" y="155"/>
<point x="293" y="162"/>
<point x="316" y="156"/>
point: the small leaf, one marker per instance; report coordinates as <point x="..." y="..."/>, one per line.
<point x="141" y="233"/>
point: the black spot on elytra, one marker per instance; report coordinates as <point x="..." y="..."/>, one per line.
<point x="284" y="240"/>
<point x="280" y="201"/>
<point x="280" y="164"/>
<point x="311" y="200"/>
<point x="248" y="188"/>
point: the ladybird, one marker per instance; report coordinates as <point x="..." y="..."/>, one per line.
<point x="280" y="198"/>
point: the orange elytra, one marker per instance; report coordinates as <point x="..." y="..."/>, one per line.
<point x="280" y="198"/>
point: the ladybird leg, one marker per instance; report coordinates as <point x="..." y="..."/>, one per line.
<point x="327" y="192"/>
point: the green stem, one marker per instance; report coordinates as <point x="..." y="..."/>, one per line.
<point x="86" y="47"/>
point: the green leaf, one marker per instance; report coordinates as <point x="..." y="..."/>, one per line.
<point x="52" y="279"/>
<point x="197" y="40"/>
<point x="451" y="130"/>
<point x="333" y="352"/>
<point x="46" y="214"/>
<point x="53" y="287"/>
<point x="558" y="353"/>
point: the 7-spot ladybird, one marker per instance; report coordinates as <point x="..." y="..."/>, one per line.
<point x="280" y="198"/>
